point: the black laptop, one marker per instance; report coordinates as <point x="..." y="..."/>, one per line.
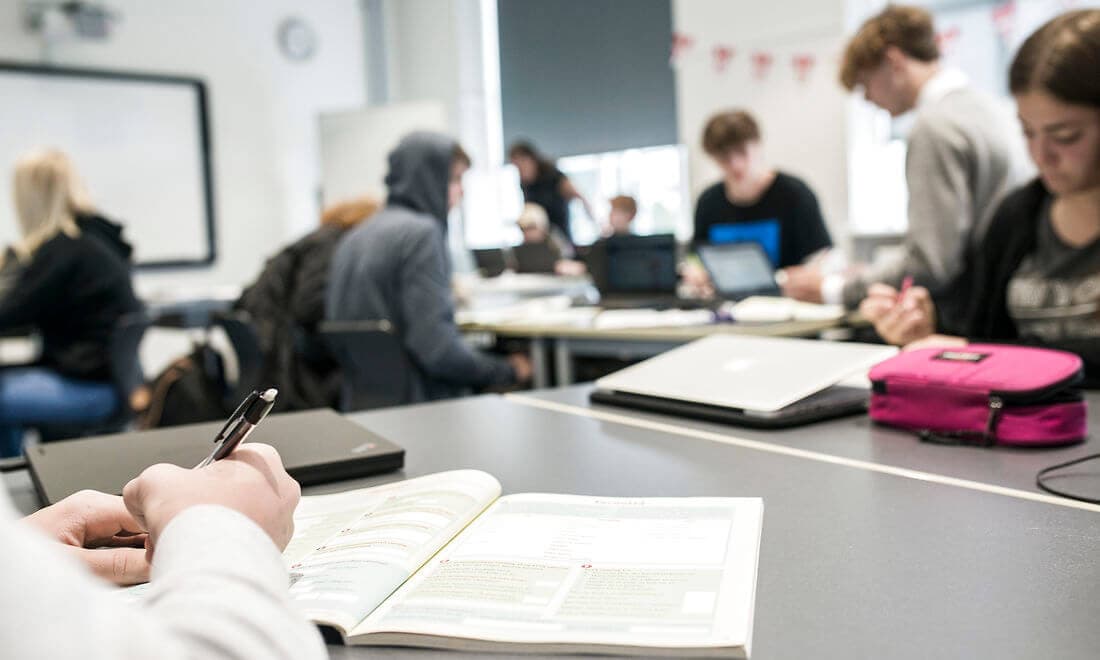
<point x="491" y="262"/>
<point x="535" y="257"/>
<point x="316" y="446"/>
<point x="636" y="271"/>
<point x="739" y="270"/>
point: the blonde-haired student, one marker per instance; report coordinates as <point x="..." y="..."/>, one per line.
<point x="68" y="278"/>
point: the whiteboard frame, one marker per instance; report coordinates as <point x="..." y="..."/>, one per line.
<point x="199" y="88"/>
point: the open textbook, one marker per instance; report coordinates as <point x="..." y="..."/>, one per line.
<point x="443" y="561"/>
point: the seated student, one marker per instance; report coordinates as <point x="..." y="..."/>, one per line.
<point x="753" y="193"/>
<point x="537" y="231"/>
<point x="959" y="159"/>
<point x="219" y="585"/>
<point x="396" y="268"/>
<point x="68" y="278"/>
<point x="1036" y="277"/>
<point x="619" y="220"/>
<point x="287" y="302"/>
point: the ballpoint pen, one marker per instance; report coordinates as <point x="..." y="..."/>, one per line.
<point x="245" y="418"/>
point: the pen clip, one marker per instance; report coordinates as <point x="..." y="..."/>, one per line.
<point x="237" y="414"/>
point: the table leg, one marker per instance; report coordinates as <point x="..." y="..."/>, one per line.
<point x="539" y="377"/>
<point x="563" y="362"/>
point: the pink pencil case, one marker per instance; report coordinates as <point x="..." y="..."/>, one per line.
<point x="982" y="394"/>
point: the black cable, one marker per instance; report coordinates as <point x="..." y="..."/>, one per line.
<point x="1061" y="493"/>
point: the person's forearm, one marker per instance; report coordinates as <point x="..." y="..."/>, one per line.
<point x="219" y="591"/>
<point x="219" y="587"/>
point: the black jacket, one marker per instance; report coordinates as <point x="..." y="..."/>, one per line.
<point x="286" y="303"/>
<point x="981" y="308"/>
<point x="73" y="292"/>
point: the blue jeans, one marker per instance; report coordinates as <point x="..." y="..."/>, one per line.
<point x="36" y="395"/>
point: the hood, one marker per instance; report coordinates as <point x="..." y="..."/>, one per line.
<point x="420" y="169"/>
<point x="109" y="233"/>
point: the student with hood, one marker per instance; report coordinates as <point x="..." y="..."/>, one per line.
<point x="396" y="268"/>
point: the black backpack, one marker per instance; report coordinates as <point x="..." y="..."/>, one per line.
<point x="191" y="389"/>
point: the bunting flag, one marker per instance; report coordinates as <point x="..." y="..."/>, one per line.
<point x="946" y="39"/>
<point x="803" y="63"/>
<point x="1004" y="19"/>
<point x="681" y="43"/>
<point x="722" y="55"/>
<point x="761" y="64"/>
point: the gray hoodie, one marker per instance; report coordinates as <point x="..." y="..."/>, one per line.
<point x="395" y="267"/>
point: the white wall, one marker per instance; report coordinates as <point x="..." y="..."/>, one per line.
<point x="803" y="123"/>
<point x="263" y="106"/>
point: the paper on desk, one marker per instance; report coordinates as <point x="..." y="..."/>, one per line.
<point x="651" y="318"/>
<point x="764" y="309"/>
<point x="528" y="311"/>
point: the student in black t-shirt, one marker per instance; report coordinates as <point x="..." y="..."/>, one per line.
<point x="544" y="184"/>
<point x="754" y="201"/>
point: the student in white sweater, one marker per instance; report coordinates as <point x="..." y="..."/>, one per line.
<point x="960" y="158"/>
<point x="211" y="540"/>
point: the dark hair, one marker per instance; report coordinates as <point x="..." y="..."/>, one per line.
<point x="1061" y="58"/>
<point x="729" y="130"/>
<point x="459" y="155"/>
<point x="527" y="150"/>
<point x="909" y="29"/>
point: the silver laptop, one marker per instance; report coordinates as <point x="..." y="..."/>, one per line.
<point x="755" y="381"/>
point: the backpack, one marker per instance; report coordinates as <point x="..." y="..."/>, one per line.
<point x="189" y="390"/>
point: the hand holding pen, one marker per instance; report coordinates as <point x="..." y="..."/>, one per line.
<point x="900" y="317"/>
<point x="246" y="417"/>
<point x="250" y="480"/>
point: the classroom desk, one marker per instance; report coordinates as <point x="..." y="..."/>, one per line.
<point x="854" y="563"/>
<point x="570" y="341"/>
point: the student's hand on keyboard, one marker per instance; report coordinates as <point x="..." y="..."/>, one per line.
<point x="802" y="283"/>
<point x="899" y="318"/>
<point x="97" y="530"/>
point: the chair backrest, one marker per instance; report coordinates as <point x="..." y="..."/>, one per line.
<point x="125" y="359"/>
<point x="375" y="371"/>
<point x="245" y="341"/>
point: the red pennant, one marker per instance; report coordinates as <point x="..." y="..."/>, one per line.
<point x="681" y="43"/>
<point x="946" y="39"/>
<point x="761" y="64"/>
<point x="802" y="64"/>
<point x="722" y="56"/>
<point x="1004" y="18"/>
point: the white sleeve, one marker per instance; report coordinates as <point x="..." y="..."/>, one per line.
<point x="219" y="591"/>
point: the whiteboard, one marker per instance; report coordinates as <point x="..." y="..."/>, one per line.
<point x="140" y="143"/>
<point x="355" y="145"/>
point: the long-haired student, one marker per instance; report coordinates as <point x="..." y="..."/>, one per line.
<point x="1036" y="277"/>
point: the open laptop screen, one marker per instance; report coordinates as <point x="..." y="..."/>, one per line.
<point x="641" y="264"/>
<point x="738" y="269"/>
<point x="764" y="232"/>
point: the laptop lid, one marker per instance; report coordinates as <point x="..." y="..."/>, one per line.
<point x="739" y="270"/>
<point x="535" y="258"/>
<point x="748" y="373"/>
<point x="316" y="446"/>
<point x="638" y="265"/>
<point x="491" y="262"/>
